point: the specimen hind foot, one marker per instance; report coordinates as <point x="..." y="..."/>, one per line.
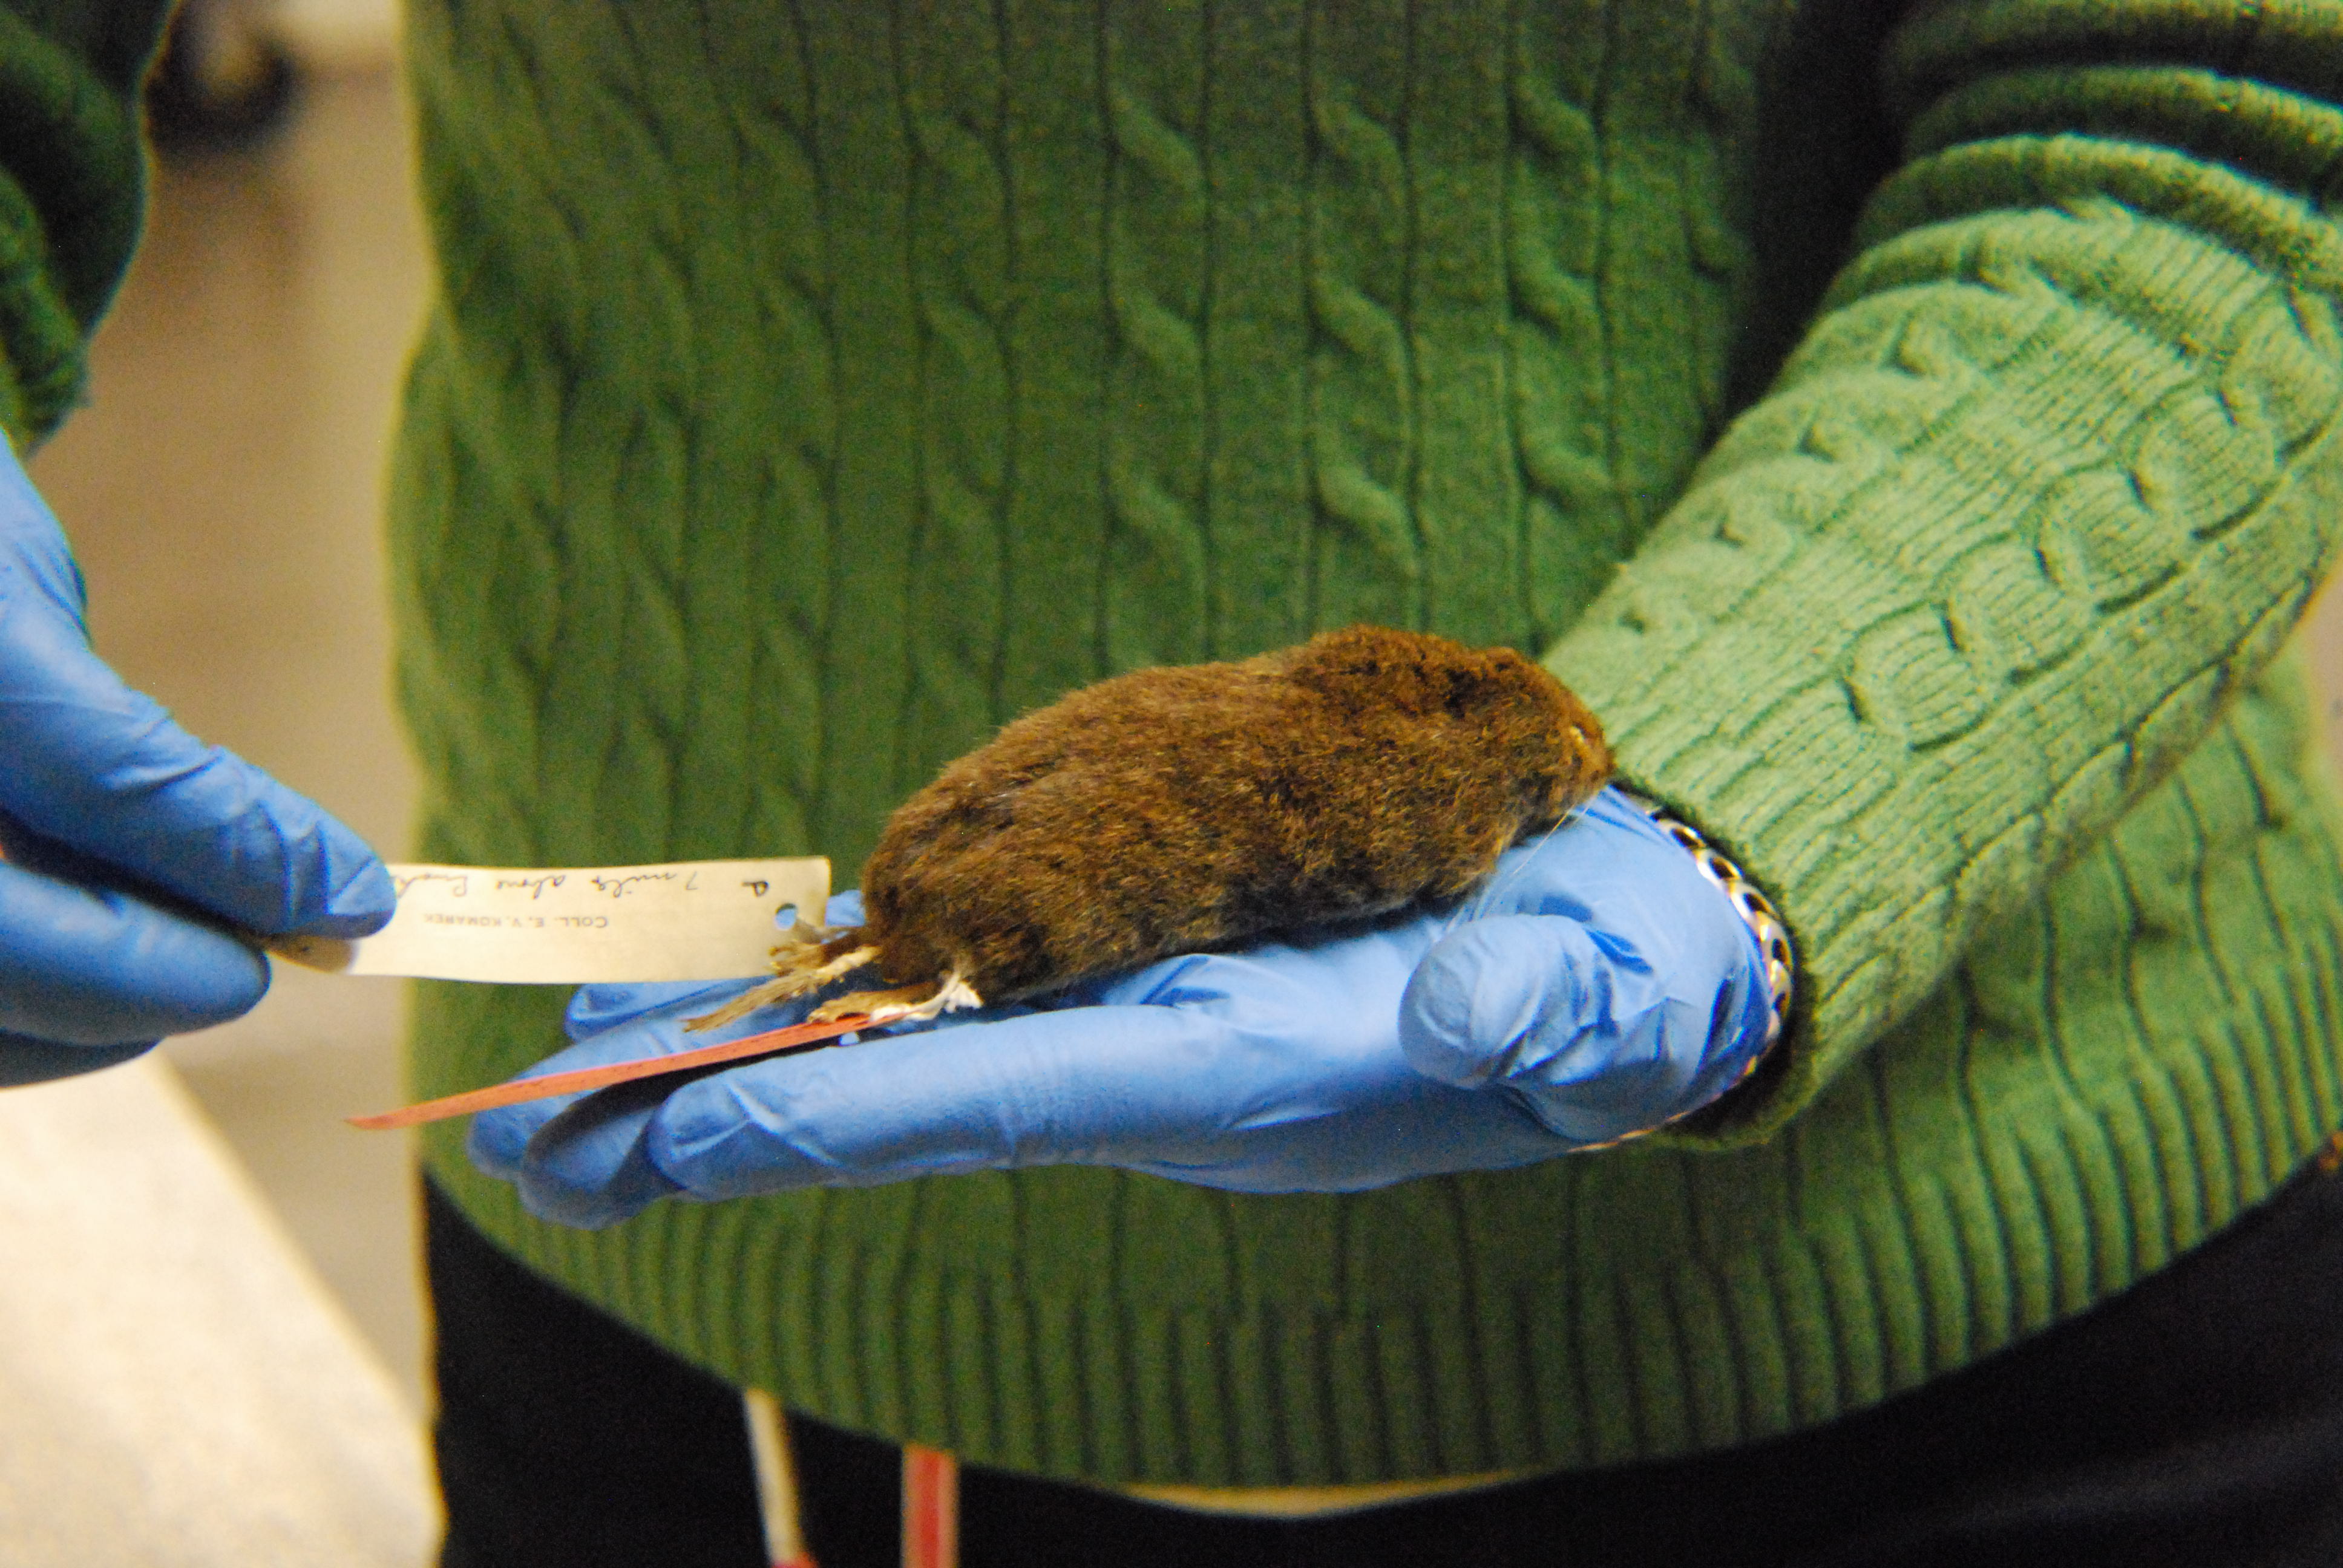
<point x="805" y="961"/>
<point x="906" y="1004"/>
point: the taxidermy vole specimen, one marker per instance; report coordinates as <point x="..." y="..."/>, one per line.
<point x="1198" y="806"/>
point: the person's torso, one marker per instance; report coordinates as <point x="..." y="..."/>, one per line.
<point x="811" y="389"/>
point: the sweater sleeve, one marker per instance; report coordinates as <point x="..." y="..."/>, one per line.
<point x="72" y="189"/>
<point x="2052" y="473"/>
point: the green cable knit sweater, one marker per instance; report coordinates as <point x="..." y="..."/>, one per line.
<point x="1915" y="436"/>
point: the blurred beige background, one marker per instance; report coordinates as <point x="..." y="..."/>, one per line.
<point x="209" y="1287"/>
<point x="223" y="490"/>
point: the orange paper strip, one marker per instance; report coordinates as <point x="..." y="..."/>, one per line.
<point x="520" y="1090"/>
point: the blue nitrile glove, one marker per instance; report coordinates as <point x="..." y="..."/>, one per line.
<point x="109" y="814"/>
<point x="1595" y="986"/>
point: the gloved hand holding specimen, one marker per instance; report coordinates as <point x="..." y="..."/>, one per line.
<point x="1433" y="999"/>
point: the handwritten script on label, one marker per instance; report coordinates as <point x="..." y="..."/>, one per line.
<point x="701" y="919"/>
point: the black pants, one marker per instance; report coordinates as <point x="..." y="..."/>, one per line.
<point x="2197" y="1419"/>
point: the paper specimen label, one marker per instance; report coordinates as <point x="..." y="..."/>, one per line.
<point x="697" y="919"/>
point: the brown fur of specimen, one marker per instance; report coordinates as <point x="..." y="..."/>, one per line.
<point x="1195" y="807"/>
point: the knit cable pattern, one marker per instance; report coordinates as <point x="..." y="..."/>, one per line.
<point x="1158" y="238"/>
<point x="961" y="259"/>
<point x="872" y="372"/>
<point x="2104" y="376"/>
<point x="1574" y="511"/>
<point x="1363" y="457"/>
<point x="72" y="190"/>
